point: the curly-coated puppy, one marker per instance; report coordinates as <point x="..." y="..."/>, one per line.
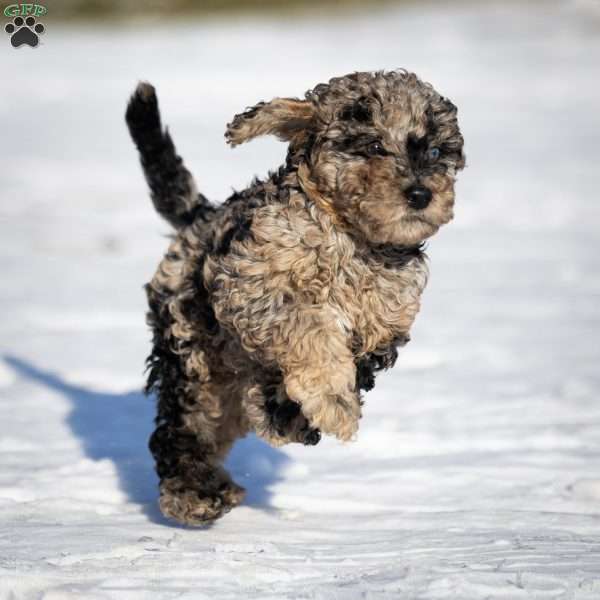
<point x="273" y="310"/>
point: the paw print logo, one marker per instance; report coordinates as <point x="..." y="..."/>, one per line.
<point x="24" y="31"/>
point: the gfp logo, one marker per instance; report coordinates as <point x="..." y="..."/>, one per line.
<point x="24" y="28"/>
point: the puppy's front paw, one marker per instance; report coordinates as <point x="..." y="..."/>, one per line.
<point x="337" y="416"/>
<point x="291" y="425"/>
<point x="309" y="436"/>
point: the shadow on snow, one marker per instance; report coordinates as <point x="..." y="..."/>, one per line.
<point x="117" y="427"/>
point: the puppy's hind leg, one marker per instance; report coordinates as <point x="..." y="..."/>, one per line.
<point x="194" y="488"/>
<point x="188" y="444"/>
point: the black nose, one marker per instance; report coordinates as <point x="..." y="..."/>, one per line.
<point x="418" y="196"/>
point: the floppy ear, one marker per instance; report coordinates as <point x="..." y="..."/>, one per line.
<point x="289" y="119"/>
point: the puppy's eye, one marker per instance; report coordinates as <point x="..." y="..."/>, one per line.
<point x="376" y="149"/>
<point x="433" y="154"/>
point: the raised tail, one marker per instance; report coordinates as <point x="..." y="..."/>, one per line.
<point x="172" y="186"/>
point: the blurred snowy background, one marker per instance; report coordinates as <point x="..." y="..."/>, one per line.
<point x="477" y="470"/>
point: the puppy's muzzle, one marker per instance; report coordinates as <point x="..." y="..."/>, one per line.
<point x="418" y="196"/>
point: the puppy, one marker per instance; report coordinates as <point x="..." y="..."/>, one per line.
<point x="272" y="311"/>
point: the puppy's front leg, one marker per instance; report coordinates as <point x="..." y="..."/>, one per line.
<point x="307" y="340"/>
<point x="319" y="371"/>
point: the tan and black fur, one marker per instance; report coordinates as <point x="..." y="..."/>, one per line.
<point x="272" y="311"/>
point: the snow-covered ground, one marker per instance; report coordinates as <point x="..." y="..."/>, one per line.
<point x="476" y="474"/>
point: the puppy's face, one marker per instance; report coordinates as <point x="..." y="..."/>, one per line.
<point x="381" y="150"/>
<point x="389" y="156"/>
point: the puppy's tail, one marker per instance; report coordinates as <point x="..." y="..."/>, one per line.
<point x="172" y="186"/>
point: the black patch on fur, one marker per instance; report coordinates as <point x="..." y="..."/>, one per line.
<point x="432" y="125"/>
<point x="167" y="380"/>
<point x="449" y="105"/>
<point x="284" y="414"/>
<point x="295" y="156"/>
<point x="198" y="308"/>
<point x="358" y="145"/>
<point x="177" y="453"/>
<point x="165" y="375"/>
<point x="238" y="232"/>
<point x="416" y="149"/>
<point x="271" y="190"/>
<point x="393" y="256"/>
<point x="246" y="201"/>
<point x="370" y="364"/>
<point x="203" y="210"/>
<point x="359" y="111"/>
<point x="280" y="414"/>
<point x="238" y="119"/>
<point x="250" y="112"/>
<point x="260" y="193"/>
<point x="451" y="149"/>
<point x="365" y="374"/>
<point x="169" y="445"/>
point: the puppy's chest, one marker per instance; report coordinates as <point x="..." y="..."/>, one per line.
<point x="381" y="302"/>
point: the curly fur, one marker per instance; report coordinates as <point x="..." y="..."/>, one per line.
<point x="272" y="311"/>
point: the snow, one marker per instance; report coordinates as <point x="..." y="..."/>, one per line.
<point x="476" y="474"/>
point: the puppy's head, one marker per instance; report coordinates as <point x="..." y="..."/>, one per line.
<point x="379" y="150"/>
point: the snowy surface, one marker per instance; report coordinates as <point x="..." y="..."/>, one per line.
<point x="476" y="474"/>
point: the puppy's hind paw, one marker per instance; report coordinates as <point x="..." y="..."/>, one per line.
<point x="191" y="507"/>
